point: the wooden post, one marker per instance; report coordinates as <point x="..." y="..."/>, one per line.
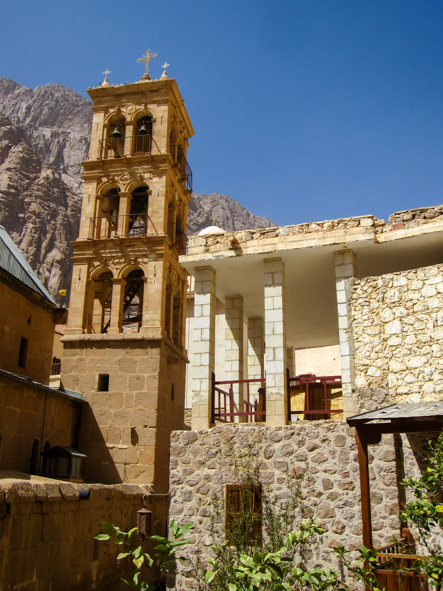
<point x="363" y="464"/>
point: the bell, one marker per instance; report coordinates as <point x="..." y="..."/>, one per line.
<point x="143" y="130"/>
<point x="116" y="133"/>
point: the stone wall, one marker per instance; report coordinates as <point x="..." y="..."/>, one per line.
<point x="126" y="426"/>
<point x="398" y="337"/>
<point x="202" y="463"/>
<point x="47" y="535"/>
<point x="23" y="317"/>
<point x="32" y="412"/>
<point x="240" y="239"/>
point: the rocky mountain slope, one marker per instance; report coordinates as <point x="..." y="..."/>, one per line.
<point x="44" y="137"/>
<point x="222" y="211"/>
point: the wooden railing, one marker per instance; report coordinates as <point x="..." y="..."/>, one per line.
<point x="223" y="405"/>
<point x="305" y="384"/>
<point x="394" y="566"/>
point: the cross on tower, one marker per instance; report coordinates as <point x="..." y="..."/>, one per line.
<point x="148" y="57"/>
<point x="165" y="65"/>
<point x="106" y="72"/>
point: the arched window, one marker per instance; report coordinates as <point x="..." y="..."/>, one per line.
<point x="33" y="467"/>
<point x="133" y="301"/>
<point x="138" y="219"/>
<point x="143" y="135"/>
<point x="100" y="317"/>
<point x="168" y="309"/>
<point x="110" y="212"/>
<point x="115" y="137"/>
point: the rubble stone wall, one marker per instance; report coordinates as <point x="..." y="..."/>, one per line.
<point x="398" y="337"/>
<point x="202" y="464"/>
<point x="47" y="534"/>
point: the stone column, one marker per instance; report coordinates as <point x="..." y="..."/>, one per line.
<point x="344" y="279"/>
<point x="275" y="339"/>
<point x="234" y="348"/>
<point x="79" y="306"/>
<point x="154" y="298"/>
<point x="204" y="347"/>
<point x="290" y="361"/>
<point x="130" y="130"/>
<point x="256" y="361"/>
<point x="124" y="209"/>
<point x="118" y="293"/>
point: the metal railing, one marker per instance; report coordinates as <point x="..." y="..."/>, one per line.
<point x="99" y="323"/>
<point x="180" y="240"/>
<point x="308" y="382"/>
<point x="223" y="404"/>
<point x="56" y="368"/>
<point x="131" y="323"/>
<point x="113" y="226"/>
<point x="182" y="164"/>
<point x="116" y="147"/>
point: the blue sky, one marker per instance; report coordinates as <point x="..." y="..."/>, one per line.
<point x="303" y="110"/>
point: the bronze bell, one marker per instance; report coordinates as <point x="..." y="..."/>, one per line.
<point x="116" y="133"/>
<point x="143" y="130"/>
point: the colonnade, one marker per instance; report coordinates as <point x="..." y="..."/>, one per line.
<point x="267" y="332"/>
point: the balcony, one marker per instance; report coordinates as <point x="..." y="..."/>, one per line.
<point x="182" y="165"/>
<point x="312" y="397"/>
<point x="131" y="145"/>
<point x="126" y="226"/>
<point x="223" y="404"/>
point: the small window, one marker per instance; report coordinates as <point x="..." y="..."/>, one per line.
<point x="103" y="382"/>
<point x="244" y="514"/>
<point x="23" y="352"/>
<point x="172" y="392"/>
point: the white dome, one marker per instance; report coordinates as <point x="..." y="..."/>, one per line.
<point x="211" y="230"/>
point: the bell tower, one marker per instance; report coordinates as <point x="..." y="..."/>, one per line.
<point x="124" y="345"/>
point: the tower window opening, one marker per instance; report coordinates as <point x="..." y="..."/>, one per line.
<point x="103" y="382"/>
<point x="115" y="141"/>
<point x="133" y="302"/>
<point x="143" y="136"/>
<point x="138" y="218"/>
<point x="23" y="352"/>
<point x="100" y="318"/>
<point x="107" y="224"/>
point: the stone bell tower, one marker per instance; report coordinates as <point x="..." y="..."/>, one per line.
<point x="124" y="345"/>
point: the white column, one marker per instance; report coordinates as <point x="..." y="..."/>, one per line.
<point x="344" y="279"/>
<point x="203" y="347"/>
<point x="275" y="340"/>
<point x="234" y="347"/>
<point x="290" y="361"/>
<point x="256" y="361"/>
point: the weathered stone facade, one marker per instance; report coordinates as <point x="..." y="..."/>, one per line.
<point x="202" y="463"/>
<point x="398" y="337"/>
<point x="47" y="534"/>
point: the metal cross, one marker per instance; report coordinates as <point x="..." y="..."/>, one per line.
<point x="149" y="56"/>
<point x="106" y="72"/>
<point x="165" y="65"/>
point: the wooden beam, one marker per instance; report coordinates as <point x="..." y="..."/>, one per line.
<point x="363" y="464"/>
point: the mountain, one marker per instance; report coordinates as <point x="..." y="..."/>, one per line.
<point x="220" y="210"/>
<point x="44" y="137"/>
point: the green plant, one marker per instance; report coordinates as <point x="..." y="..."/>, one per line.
<point x="425" y="511"/>
<point x="154" y="569"/>
<point x="364" y="569"/>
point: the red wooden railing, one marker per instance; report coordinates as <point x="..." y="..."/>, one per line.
<point x="308" y="382"/>
<point x="223" y="406"/>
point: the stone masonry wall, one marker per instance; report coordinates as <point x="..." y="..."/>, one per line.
<point x="202" y="463"/>
<point x="398" y="337"/>
<point x="47" y="535"/>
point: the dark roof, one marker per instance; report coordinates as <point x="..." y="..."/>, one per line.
<point x="12" y="261"/>
<point x="63" y="392"/>
<point x="400" y="411"/>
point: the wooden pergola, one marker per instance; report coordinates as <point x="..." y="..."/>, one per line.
<point x="421" y="417"/>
